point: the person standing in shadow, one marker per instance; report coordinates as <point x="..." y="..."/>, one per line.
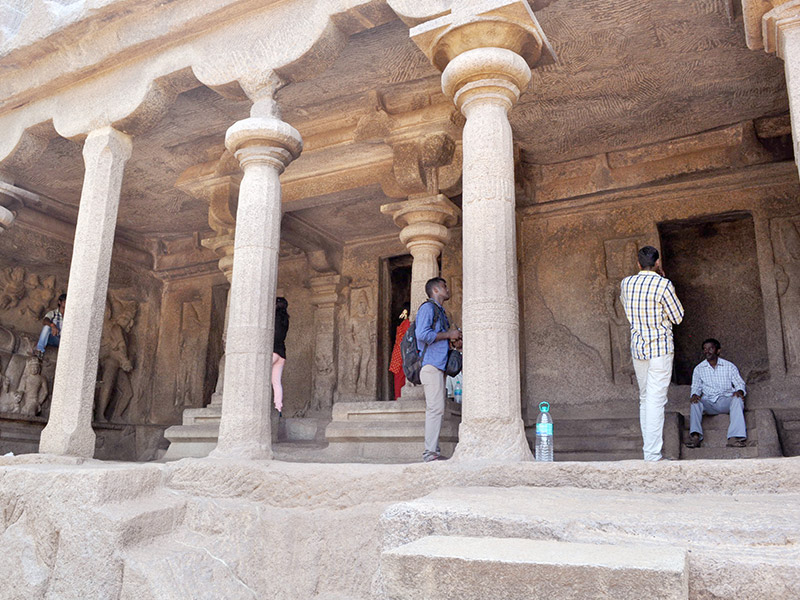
<point x="279" y="351"/>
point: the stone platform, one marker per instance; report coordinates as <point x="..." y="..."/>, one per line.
<point x="205" y="528"/>
<point x="386" y="431"/>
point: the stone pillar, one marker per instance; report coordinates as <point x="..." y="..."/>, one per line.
<point x="424" y="222"/>
<point x="69" y="430"/>
<point x="324" y="296"/>
<point x="223" y="245"/>
<point x="264" y="146"/>
<point x="774" y="25"/>
<point x="486" y="51"/>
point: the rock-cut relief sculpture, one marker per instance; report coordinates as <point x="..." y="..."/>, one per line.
<point x="620" y="262"/>
<point x="115" y="363"/>
<point x="32" y="390"/>
<point x="12" y="284"/>
<point x="41" y="292"/>
<point x="786" y="247"/>
<point x="361" y="338"/>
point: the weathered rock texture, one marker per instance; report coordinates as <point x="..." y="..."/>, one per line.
<point x="213" y="528"/>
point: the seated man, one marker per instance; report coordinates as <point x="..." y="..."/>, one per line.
<point x="51" y="332"/>
<point x="717" y="388"/>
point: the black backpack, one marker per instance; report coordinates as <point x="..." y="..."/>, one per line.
<point x="412" y="359"/>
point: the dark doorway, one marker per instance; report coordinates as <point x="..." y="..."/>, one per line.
<point x="395" y="294"/>
<point x="714" y="266"/>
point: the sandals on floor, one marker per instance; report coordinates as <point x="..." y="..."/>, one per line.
<point x="736" y="442"/>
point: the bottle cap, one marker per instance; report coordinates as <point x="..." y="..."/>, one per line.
<point x="544" y="406"/>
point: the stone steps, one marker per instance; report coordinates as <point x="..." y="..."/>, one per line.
<point x="464" y="568"/>
<point x="742" y="542"/>
<point x="605" y="439"/>
<point x="789" y="430"/>
<point x="762" y="437"/>
<point x="143" y="519"/>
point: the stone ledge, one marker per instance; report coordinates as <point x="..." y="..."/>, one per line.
<point x="506" y="568"/>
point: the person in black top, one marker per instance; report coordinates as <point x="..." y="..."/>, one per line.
<point x="279" y="350"/>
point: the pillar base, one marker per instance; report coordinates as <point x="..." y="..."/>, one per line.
<point x="79" y="442"/>
<point x="492" y="440"/>
<point x="243" y="452"/>
<point x="412" y="392"/>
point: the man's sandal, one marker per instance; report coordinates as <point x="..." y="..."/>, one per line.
<point x="693" y="442"/>
<point x="736" y="442"/>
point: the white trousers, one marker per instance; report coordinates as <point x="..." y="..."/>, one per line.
<point x="653" y="377"/>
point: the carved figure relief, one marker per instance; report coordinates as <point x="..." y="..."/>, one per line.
<point x="8" y="400"/>
<point x="191" y="332"/>
<point x="41" y="292"/>
<point x="361" y="339"/>
<point x="32" y="390"/>
<point x="12" y="280"/>
<point x="115" y="364"/>
<point x="620" y="262"/>
<point x="786" y="248"/>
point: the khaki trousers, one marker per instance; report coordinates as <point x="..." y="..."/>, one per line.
<point x="433" y="382"/>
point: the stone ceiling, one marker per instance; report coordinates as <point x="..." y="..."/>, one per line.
<point x="630" y="73"/>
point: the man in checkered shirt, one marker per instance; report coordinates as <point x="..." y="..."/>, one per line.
<point x="652" y="307"/>
<point x="717" y="388"/>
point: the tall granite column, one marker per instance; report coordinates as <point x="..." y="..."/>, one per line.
<point x="486" y="50"/>
<point x="69" y="429"/>
<point x="264" y="145"/>
<point x="324" y="296"/>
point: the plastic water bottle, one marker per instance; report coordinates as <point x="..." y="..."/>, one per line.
<point x="457" y="392"/>
<point x="544" y="434"/>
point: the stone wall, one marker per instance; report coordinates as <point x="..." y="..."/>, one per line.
<point x="34" y="271"/>
<point x="574" y="254"/>
<point x="292" y="284"/>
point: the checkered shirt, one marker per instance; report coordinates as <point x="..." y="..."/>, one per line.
<point x="652" y="307"/>
<point x="56" y="317"/>
<point x="711" y="383"/>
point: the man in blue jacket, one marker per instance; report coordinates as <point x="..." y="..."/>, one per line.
<point x="433" y="338"/>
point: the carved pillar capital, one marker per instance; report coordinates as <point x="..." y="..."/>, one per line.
<point x="472" y="25"/>
<point x="425" y="164"/>
<point x="766" y="21"/>
<point x="217" y="182"/>
<point x="424" y="221"/>
<point x="263" y="141"/>
<point x="774" y="25"/>
<point x="325" y="290"/>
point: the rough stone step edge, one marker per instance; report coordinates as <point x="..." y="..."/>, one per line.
<point x="502" y="567"/>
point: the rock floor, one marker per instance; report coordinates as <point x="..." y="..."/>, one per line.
<point x="205" y="528"/>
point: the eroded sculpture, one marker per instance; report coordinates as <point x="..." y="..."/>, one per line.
<point x="32" y="390"/>
<point x="115" y="364"/>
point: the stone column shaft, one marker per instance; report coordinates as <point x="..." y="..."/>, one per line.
<point x="325" y="295"/>
<point x="69" y="429"/>
<point x="491" y="425"/>
<point x="263" y="146"/>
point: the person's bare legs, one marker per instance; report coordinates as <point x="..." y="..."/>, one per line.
<point x="277" y="386"/>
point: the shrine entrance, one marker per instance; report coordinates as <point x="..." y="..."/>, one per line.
<point x="714" y="266"/>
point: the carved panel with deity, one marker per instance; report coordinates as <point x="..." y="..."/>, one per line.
<point x="785" y="235"/>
